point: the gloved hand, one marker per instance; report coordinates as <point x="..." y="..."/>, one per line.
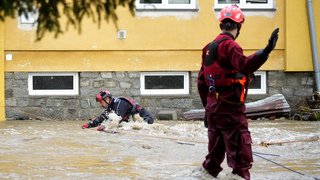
<point x="272" y="42"/>
<point x="101" y="128"/>
<point x="85" y="126"/>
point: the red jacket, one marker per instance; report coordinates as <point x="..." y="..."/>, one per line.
<point x="229" y="56"/>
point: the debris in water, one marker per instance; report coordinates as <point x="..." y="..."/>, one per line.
<point x="309" y="112"/>
<point x="270" y="107"/>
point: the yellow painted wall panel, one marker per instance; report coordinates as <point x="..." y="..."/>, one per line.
<point x="2" y="78"/>
<point x="298" y="44"/>
<point x="62" y="61"/>
<point x="274" y="62"/>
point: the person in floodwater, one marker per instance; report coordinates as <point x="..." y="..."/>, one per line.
<point x="223" y="81"/>
<point x="121" y="106"/>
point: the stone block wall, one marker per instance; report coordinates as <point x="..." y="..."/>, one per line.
<point x="293" y="85"/>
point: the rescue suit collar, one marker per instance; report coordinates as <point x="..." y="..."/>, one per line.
<point x="229" y="34"/>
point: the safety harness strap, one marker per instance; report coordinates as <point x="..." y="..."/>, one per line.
<point x="243" y="97"/>
<point x="135" y="106"/>
<point x="235" y="75"/>
<point x="237" y="78"/>
<point x="211" y="54"/>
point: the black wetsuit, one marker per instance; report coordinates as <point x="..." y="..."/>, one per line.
<point x="123" y="107"/>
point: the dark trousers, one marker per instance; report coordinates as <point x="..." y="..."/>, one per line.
<point x="228" y="134"/>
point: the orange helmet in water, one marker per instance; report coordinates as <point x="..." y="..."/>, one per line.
<point x="232" y="12"/>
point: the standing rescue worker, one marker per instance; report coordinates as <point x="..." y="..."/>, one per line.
<point x="222" y="84"/>
<point x="122" y="106"/>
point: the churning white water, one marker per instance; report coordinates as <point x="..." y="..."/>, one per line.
<point x="164" y="150"/>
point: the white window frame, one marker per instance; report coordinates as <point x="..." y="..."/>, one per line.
<point x="74" y="91"/>
<point x="263" y="89"/>
<point x="185" y="89"/>
<point x="165" y="5"/>
<point x="243" y="5"/>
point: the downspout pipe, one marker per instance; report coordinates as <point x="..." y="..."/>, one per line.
<point x="314" y="44"/>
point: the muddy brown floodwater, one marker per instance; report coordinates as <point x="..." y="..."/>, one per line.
<point x="32" y="149"/>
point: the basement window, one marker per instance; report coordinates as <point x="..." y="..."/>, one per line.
<point x="164" y="83"/>
<point x="165" y="4"/>
<point x="53" y="83"/>
<point x="246" y="4"/>
<point x="258" y="84"/>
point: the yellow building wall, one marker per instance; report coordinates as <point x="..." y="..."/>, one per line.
<point x="2" y="97"/>
<point x="156" y="41"/>
<point x="298" y="44"/>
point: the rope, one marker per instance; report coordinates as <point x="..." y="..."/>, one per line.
<point x="265" y="154"/>
<point x="266" y="144"/>
<point x="256" y="154"/>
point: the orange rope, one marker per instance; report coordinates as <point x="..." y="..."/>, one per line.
<point x="280" y="143"/>
<point x="111" y="131"/>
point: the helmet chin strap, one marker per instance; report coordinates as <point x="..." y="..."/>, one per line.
<point x="106" y="102"/>
<point x="238" y="30"/>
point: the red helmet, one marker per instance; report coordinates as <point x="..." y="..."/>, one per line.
<point x="103" y="94"/>
<point x="232" y="12"/>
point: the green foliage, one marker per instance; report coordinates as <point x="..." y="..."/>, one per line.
<point x="74" y="10"/>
